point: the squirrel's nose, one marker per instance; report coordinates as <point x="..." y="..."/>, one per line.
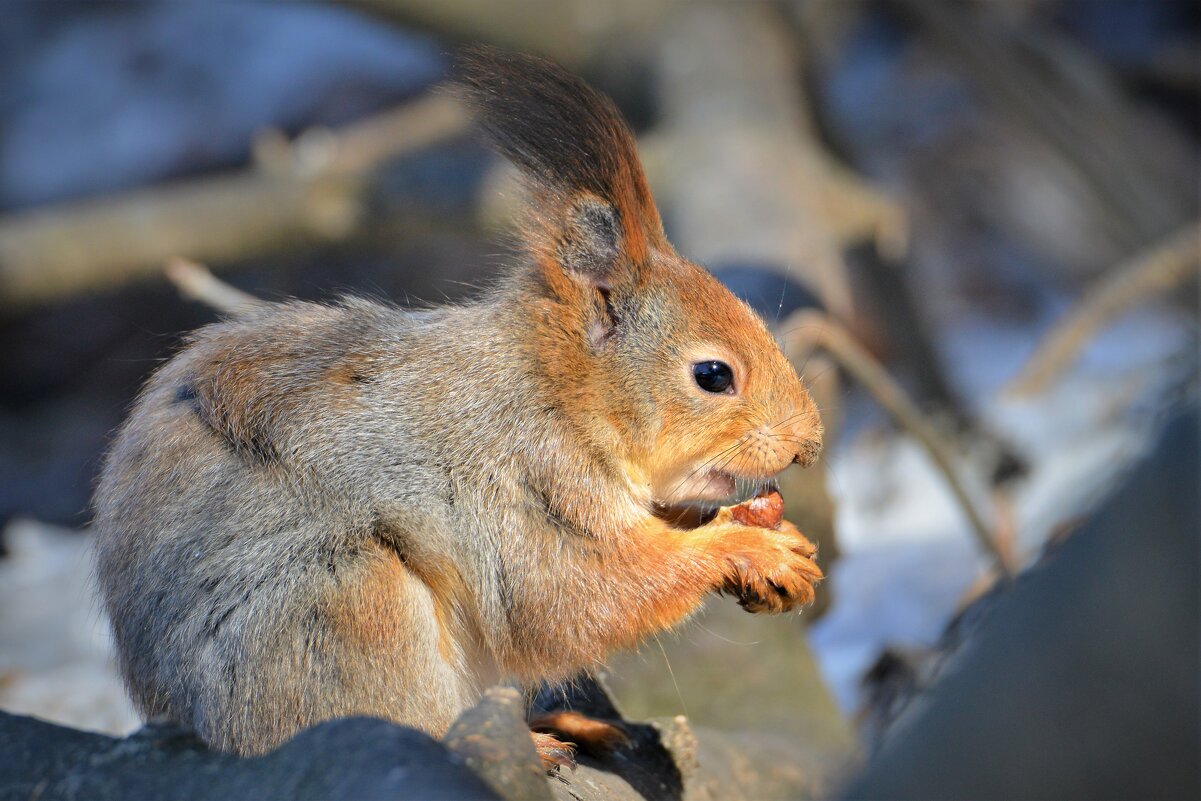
<point x="807" y="452"/>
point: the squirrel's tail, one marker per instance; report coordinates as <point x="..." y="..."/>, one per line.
<point x="592" y="202"/>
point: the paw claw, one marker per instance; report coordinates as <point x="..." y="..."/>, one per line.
<point x="554" y="753"/>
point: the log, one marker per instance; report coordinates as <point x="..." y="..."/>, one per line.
<point x="309" y="190"/>
<point x="737" y="161"/>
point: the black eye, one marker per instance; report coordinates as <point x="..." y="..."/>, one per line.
<point x="713" y="376"/>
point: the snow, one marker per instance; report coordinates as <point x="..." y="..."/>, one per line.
<point x="908" y="554"/>
<point x="56" y="651"/>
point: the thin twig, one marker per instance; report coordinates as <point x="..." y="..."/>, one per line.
<point x="1157" y="270"/>
<point x="809" y="330"/>
<point x="197" y="282"/>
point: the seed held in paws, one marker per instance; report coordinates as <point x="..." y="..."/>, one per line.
<point x="765" y="510"/>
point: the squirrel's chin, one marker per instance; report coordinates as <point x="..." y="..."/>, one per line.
<point x="696" y="509"/>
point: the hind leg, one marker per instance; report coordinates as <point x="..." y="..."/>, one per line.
<point x="590" y="735"/>
<point x="372" y="642"/>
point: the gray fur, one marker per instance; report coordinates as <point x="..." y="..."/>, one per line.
<point x="213" y="562"/>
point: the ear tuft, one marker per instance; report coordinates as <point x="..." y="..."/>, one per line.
<point x="592" y="207"/>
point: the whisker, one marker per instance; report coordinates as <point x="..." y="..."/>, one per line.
<point x="814" y="348"/>
<point x="671" y="673"/>
<point x="715" y="472"/>
<point x="705" y="464"/>
<point x="792" y="417"/>
<point x="832" y="366"/>
<point x="802" y="327"/>
<point x="712" y="633"/>
<point x="783" y="290"/>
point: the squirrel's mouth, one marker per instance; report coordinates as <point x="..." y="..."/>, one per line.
<point x="718" y="486"/>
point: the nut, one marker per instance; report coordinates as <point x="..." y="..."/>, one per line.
<point x="765" y="510"/>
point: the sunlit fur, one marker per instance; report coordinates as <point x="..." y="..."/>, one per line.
<point x="327" y="510"/>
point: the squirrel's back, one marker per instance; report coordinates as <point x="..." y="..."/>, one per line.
<point x="245" y="492"/>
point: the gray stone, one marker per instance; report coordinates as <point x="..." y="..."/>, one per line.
<point x="356" y="758"/>
<point x="1081" y="682"/>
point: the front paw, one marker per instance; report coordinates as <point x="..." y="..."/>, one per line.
<point x="769" y="569"/>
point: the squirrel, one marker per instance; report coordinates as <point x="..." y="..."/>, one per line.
<point x="322" y="510"/>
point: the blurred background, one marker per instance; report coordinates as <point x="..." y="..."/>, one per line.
<point x="974" y="226"/>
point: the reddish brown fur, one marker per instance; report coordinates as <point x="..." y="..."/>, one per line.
<point x="365" y="611"/>
<point x="452" y="601"/>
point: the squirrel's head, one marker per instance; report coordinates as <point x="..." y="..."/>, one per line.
<point x="653" y="359"/>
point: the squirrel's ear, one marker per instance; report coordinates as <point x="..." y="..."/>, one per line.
<point x="590" y="240"/>
<point x="592" y="212"/>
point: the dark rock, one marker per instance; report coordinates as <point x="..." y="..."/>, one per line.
<point x="487" y="754"/>
<point x="643" y="768"/>
<point x="355" y="758"/>
<point x="1081" y="681"/>
<point x="901" y="676"/>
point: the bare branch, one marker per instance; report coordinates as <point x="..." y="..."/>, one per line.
<point x="1132" y="171"/>
<point x="197" y="282"/>
<point x="1157" y="270"/>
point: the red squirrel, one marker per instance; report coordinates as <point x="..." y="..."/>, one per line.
<point x="322" y="510"/>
